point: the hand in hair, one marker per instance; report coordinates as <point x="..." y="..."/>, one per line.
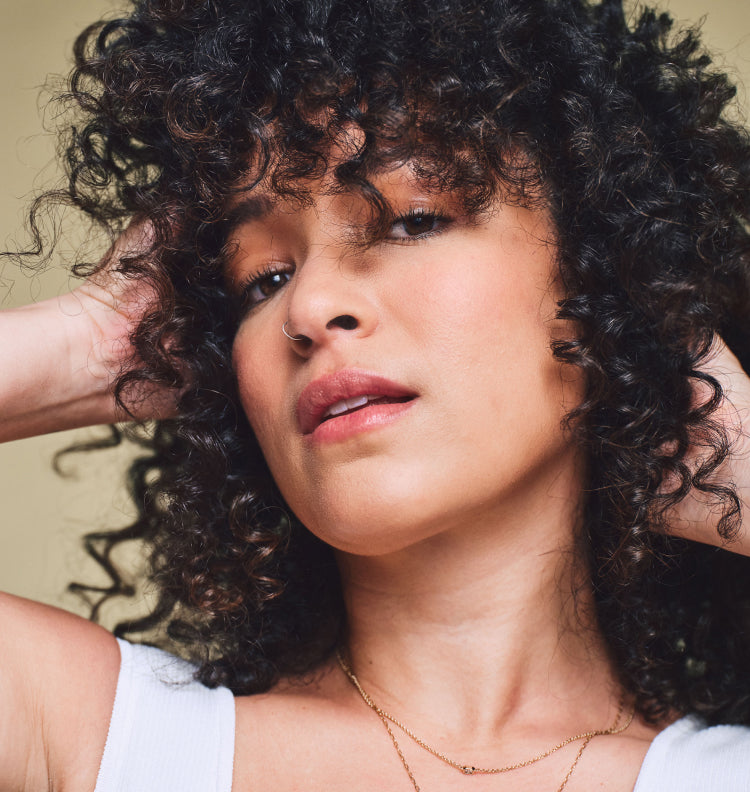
<point x="60" y="357"/>
<point x="697" y="516"/>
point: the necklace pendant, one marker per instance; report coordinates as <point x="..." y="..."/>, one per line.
<point x="466" y="770"/>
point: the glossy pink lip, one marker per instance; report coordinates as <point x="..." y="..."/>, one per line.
<point x="326" y="391"/>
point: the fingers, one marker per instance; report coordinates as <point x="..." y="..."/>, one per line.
<point x="697" y="516"/>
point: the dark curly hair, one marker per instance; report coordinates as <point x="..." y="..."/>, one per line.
<point x="619" y="129"/>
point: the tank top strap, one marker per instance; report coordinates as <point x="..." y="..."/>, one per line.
<point x="168" y="732"/>
<point x="689" y="756"/>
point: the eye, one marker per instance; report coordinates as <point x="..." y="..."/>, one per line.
<point x="263" y="285"/>
<point x="417" y="224"/>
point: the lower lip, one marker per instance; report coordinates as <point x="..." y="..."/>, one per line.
<point x="367" y="419"/>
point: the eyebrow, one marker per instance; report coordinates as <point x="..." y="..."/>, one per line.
<point x="252" y="207"/>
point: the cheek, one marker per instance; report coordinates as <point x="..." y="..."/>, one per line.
<point x="493" y="326"/>
<point x="259" y="372"/>
<point x="493" y="334"/>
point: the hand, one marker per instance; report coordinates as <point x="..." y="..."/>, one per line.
<point x="108" y="307"/>
<point x="696" y="516"/>
<point x="61" y="357"/>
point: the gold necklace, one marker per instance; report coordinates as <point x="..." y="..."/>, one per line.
<point x="466" y="769"/>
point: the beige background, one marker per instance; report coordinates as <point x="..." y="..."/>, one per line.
<point x="43" y="516"/>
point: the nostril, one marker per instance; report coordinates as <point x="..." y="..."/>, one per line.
<point x="344" y="321"/>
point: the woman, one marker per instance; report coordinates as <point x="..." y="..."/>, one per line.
<point x="435" y="293"/>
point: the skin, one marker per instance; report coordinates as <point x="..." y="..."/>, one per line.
<point x="454" y="524"/>
<point x="443" y="312"/>
<point x="454" y="547"/>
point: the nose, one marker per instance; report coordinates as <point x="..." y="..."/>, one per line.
<point x="329" y="298"/>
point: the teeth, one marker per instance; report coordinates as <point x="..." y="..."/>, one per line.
<point x="347" y="404"/>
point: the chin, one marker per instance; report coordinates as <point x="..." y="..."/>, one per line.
<point x="367" y="533"/>
<point x="375" y="520"/>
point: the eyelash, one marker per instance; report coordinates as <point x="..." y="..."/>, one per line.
<point x="247" y="301"/>
<point x="256" y="280"/>
<point x="419" y="214"/>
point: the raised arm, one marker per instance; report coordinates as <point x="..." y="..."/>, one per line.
<point x="59" y="357"/>
<point x="697" y="516"/>
<point x="59" y="361"/>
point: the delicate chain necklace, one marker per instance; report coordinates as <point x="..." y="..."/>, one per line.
<point x="466" y="769"/>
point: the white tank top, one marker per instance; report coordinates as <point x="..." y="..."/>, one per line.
<point x="169" y="733"/>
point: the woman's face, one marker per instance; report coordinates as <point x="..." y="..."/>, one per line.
<point x="419" y="391"/>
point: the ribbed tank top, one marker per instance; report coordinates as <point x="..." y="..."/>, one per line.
<point x="168" y="733"/>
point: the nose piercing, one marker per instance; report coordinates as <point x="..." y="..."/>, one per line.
<point x="290" y="337"/>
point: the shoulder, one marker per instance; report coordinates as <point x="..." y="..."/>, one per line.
<point x="58" y="675"/>
<point x="689" y="756"/>
<point x="81" y="710"/>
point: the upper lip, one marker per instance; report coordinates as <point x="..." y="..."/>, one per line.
<point x="322" y="393"/>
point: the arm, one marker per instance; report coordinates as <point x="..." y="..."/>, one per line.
<point x="696" y="517"/>
<point x="58" y="672"/>
<point x="58" y="675"/>
<point x="60" y="357"/>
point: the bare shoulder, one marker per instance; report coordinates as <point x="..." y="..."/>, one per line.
<point x="58" y="676"/>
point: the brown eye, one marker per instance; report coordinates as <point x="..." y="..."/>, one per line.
<point x="417" y="225"/>
<point x="271" y="283"/>
<point x="263" y="286"/>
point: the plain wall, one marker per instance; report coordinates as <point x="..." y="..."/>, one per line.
<point x="43" y="516"/>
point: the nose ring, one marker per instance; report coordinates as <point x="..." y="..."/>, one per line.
<point x="290" y="337"/>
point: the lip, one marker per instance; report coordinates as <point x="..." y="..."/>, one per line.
<point x="326" y="391"/>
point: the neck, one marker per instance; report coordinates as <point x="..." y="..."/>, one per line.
<point x="486" y="628"/>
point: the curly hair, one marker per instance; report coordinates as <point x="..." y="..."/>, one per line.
<point x="622" y="128"/>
